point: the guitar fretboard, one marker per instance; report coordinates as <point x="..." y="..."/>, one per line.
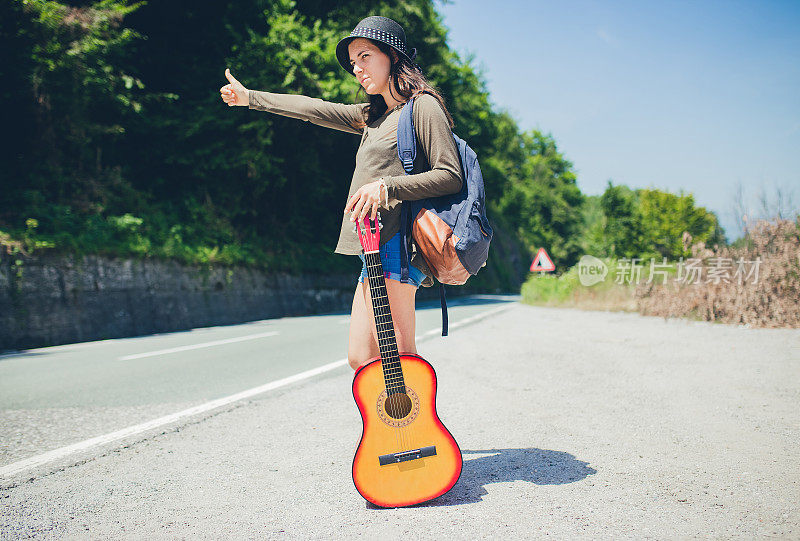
<point x="387" y="341"/>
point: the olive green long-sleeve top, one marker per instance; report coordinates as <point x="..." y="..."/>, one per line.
<point x="437" y="156"/>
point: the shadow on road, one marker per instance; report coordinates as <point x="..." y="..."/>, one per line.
<point x="539" y="466"/>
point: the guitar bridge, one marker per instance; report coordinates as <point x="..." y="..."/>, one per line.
<point x="403" y="456"/>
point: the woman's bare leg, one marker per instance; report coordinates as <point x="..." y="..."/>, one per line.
<point x="363" y="333"/>
<point x="362" y="345"/>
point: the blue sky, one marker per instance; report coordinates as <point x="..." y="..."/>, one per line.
<point x="672" y="95"/>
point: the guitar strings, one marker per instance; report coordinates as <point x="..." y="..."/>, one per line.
<point x="372" y="228"/>
<point x="394" y="401"/>
<point x="376" y="293"/>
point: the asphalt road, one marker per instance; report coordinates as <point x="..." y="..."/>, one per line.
<point x="572" y="424"/>
<point x="53" y="397"/>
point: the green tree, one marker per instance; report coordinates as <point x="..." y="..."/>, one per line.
<point x="624" y="232"/>
<point x="592" y="235"/>
<point x="70" y="92"/>
<point x="665" y="217"/>
<point x="543" y="200"/>
<point x="646" y="223"/>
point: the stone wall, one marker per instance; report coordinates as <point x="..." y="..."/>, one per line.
<point x="51" y="300"/>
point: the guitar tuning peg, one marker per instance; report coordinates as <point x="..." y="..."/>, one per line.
<point x="377" y="219"/>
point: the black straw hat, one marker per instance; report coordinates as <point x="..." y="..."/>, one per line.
<point x="377" y="28"/>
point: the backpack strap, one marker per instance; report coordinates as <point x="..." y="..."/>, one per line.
<point x="406" y="139"/>
<point x="407" y="151"/>
<point x="444" y="309"/>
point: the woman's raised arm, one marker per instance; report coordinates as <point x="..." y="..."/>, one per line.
<point x="338" y="116"/>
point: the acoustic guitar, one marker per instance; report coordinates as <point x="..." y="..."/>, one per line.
<point x="406" y="455"/>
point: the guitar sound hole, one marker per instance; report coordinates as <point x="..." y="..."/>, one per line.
<point x="398" y="405"/>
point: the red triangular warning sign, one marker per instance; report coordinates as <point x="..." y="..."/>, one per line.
<point x="542" y="262"/>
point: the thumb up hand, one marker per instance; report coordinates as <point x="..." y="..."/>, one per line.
<point x="234" y="93"/>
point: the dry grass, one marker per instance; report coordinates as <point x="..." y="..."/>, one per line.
<point x="616" y="299"/>
<point x="770" y="299"/>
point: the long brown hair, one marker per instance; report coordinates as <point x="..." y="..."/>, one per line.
<point x="407" y="80"/>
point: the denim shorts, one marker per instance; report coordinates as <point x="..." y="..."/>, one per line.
<point x="390" y="260"/>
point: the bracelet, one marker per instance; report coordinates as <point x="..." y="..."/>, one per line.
<point x="382" y="183"/>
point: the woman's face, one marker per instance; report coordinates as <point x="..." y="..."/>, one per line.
<point x="370" y="65"/>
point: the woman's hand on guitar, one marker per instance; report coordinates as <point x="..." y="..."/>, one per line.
<point x="234" y="93"/>
<point x="366" y="199"/>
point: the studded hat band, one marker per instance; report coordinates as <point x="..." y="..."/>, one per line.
<point x="377" y="28"/>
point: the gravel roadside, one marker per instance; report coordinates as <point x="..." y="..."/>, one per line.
<point x="573" y="424"/>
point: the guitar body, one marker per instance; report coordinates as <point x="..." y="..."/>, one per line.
<point x="399" y="424"/>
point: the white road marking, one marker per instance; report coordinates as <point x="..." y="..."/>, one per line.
<point x="197" y="346"/>
<point x="61" y="452"/>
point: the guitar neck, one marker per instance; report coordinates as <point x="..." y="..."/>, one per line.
<point x="387" y="341"/>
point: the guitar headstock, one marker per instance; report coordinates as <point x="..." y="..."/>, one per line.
<point x="368" y="231"/>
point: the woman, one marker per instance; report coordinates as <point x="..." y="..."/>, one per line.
<point x="375" y="53"/>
